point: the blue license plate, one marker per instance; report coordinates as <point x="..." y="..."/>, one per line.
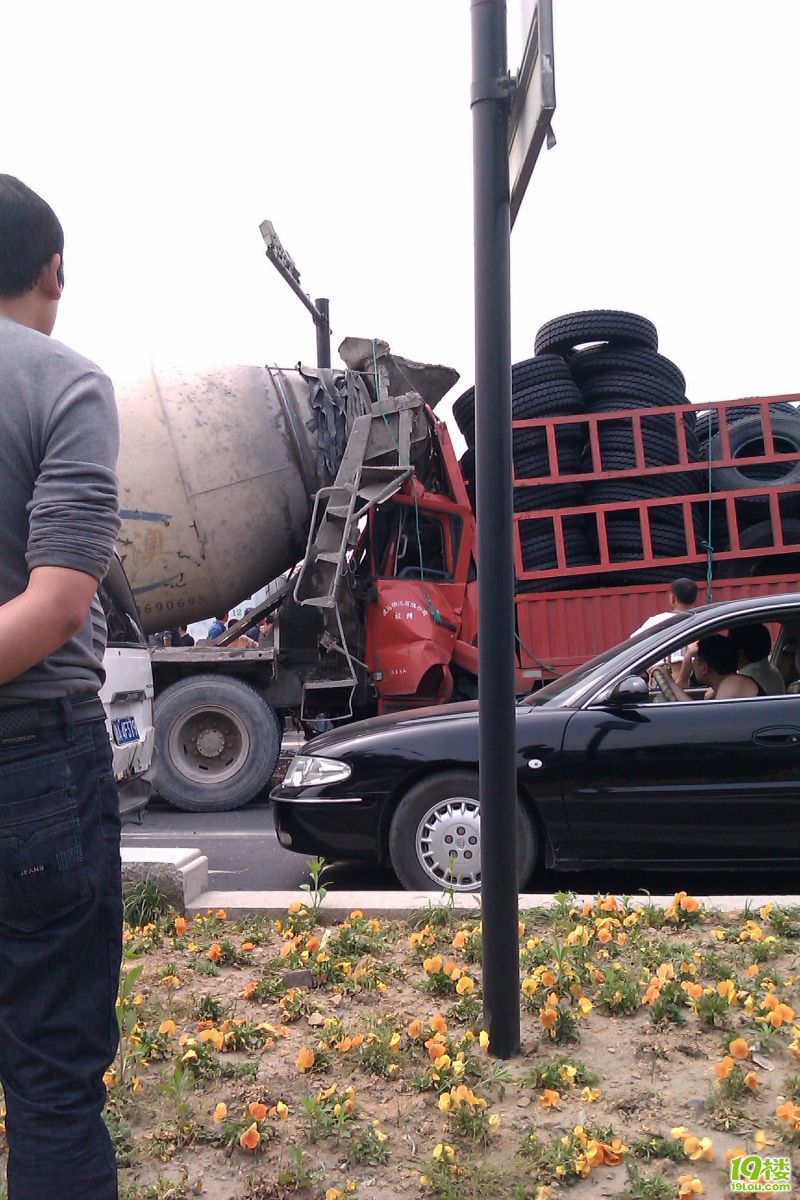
<point x="125" y="730"/>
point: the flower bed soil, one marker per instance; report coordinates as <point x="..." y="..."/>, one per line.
<point x="262" y="1060"/>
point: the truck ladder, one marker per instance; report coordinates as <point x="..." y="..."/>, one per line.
<point x="364" y="478"/>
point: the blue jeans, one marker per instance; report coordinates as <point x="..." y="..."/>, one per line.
<point x="60" y="952"/>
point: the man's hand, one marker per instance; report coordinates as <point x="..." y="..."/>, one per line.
<point x="47" y="614"/>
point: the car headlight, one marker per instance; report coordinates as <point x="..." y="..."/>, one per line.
<point x="306" y="770"/>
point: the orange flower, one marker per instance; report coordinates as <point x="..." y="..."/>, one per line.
<point x="313" y="944"/>
<point x="248" y="945"/>
<point x="779" y="1014"/>
<point x="220" y="914"/>
<point x="688" y="903"/>
<point x="249" y="989"/>
<point x="450" y="968"/>
<point x="751" y="1081"/>
<point x="305" y="1059"/>
<point x="415" y="1029"/>
<point x="181" y="926"/>
<point x="550" y="1098"/>
<point x="214" y="952"/>
<point x="167" y="1027"/>
<point x="345" y="1044"/>
<point x="435" y="1049"/>
<point x="726" y="989"/>
<point x="431" y="965"/>
<point x="608" y="904"/>
<point x="604" y="934"/>
<point x="695" y="990"/>
<point x="250" y="1138"/>
<point x="460" y="940"/>
<point x="739" y="1048"/>
<point x="257" y="1110"/>
<point x="548" y="1016"/>
<point x="724" y="1067"/>
<point x="438" y="1023"/>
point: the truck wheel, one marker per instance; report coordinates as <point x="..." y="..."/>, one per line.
<point x="598" y="325"/>
<point x="434" y="838"/>
<point x="217" y="743"/>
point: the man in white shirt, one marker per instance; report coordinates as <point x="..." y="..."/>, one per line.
<point x="682" y="595"/>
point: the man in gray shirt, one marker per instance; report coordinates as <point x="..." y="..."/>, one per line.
<point x="60" y="893"/>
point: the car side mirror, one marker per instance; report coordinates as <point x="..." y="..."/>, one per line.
<point x="630" y="690"/>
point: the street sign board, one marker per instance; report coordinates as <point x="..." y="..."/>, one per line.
<point x="534" y="100"/>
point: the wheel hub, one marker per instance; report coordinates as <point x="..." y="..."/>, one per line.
<point x="210" y="743"/>
<point x="448" y="843"/>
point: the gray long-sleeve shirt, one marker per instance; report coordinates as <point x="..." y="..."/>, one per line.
<point x="59" y="438"/>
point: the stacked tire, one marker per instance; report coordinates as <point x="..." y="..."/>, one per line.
<point x="541" y="387"/>
<point x="608" y="361"/>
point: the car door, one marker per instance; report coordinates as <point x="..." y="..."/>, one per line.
<point x="713" y="781"/>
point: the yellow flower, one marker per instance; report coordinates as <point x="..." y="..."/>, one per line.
<point x="167" y="1027"/>
<point x="465" y="985"/>
<point x="696" y="1148"/>
<point x="432" y="965"/>
<point x="590" y="1094"/>
<point x="445" y="1102"/>
<point x="689" y="1185"/>
<point x="443" y="1150"/>
<point x="494" y="1121"/>
<point x="483" y="1040"/>
<point x="585" y="1006"/>
<point x="220" y="1113"/>
<point x="333" y="1194"/>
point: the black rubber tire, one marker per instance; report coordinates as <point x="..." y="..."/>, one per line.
<point x="546" y="368"/>
<point x="646" y="389"/>
<point x="547" y="399"/>
<point x="530" y="372"/>
<point x="708" y="418"/>
<point x="746" y="440"/>
<point x="757" y="537"/>
<point x="411" y="810"/>
<point x="597" y="361"/>
<point x="564" y="333"/>
<point x="233" y="711"/>
<point x="547" y="495"/>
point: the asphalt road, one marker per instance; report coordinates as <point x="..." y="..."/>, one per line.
<point x="243" y="854"/>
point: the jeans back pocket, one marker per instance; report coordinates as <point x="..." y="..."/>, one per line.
<point x="42" y="875"/>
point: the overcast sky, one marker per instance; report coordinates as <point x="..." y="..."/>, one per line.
<point x="163" y="133"/>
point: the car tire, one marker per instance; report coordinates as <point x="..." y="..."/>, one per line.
<point x="435" y="809"/>
<point x="563" y="334"/>
<point x="217" y="743"/>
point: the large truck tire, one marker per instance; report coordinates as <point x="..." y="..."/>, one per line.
<point x="563" y="334"/>
<point x="597" y="361"/>
<point x="217" y="743"/>
<point x="746" y="439"/>
<point x="785" y="560"/>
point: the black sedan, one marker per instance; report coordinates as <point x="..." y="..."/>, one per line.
<point x="611" y="770"/>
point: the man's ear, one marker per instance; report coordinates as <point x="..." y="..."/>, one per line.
<point x="50" y="281"/>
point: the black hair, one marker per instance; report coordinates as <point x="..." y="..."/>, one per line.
<point x="30" y="234"/>
<point x="684" y="590"/>
<point x="719" y="652"/>
<point x="753" y="641"/>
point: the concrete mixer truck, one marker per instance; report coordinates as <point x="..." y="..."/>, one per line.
<point x="346" y="481"/>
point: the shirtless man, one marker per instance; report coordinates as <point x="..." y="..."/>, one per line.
<point x="713" y="660"/>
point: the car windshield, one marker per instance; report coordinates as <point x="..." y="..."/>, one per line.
<point x="568" y="688"/>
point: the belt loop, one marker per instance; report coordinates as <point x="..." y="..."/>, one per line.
<point x="68" y="717"/>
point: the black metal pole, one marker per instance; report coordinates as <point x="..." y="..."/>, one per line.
<point x="323" y="329"/>
<point x="497" y="741"/>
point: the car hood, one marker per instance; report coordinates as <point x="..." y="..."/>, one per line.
<point x="395" y="723"/>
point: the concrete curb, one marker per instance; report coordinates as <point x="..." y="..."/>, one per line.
<point x="183" y="873"/>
